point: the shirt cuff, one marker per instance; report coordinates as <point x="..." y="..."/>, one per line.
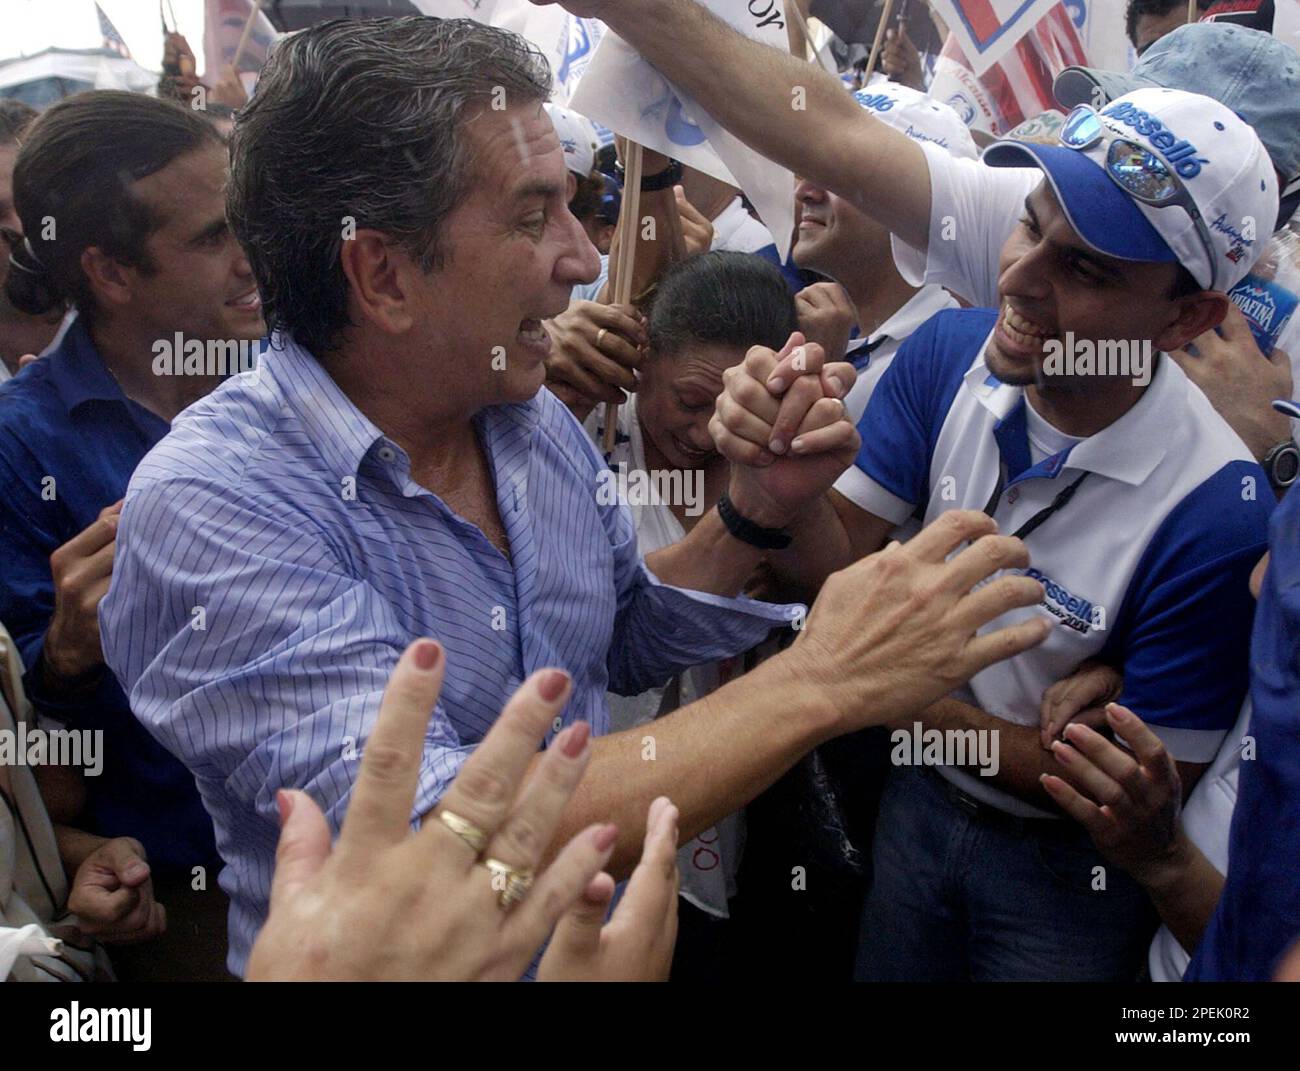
<point x="865" y="493"/>
<point x="764" y="615"/>
<point x="99" y="691"/>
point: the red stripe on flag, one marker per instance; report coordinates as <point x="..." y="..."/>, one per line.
<point x="984" y="21"/>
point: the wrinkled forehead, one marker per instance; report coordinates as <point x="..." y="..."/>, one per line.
<point x="515" y="146"/>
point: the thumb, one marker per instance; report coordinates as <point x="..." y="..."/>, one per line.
<point x="304" y="843"/>
<point x="577" y="936"/>
<point x="126" y="858"/>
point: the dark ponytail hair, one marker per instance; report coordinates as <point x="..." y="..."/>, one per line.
<point x="721" y="298"/>
<point x="72" y="190"/>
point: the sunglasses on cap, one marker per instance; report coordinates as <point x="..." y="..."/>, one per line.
<point x="1140" y="172"/>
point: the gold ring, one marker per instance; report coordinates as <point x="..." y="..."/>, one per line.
<point x="600" y="335"/>
<point x="511" y="883"/>
<point x="466" y="831"/>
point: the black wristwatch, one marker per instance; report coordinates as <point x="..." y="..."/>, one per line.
<point x="1282" y="465"/>
<point x="747" y="531"/>
<point x="667" y="178"/>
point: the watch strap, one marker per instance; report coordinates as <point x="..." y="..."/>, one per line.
<point x="747" y="531"/>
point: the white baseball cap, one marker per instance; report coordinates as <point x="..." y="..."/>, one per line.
<point x="1207" y="169"/>
<point x="577" y="136"/>
<point x="919" y="116"/>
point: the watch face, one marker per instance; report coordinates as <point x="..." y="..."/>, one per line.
<point x="1286" y="466"/>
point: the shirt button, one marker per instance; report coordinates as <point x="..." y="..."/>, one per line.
<point x="387" y="453"/>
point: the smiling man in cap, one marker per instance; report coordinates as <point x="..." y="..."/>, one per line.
<point x="1143" y="513"/>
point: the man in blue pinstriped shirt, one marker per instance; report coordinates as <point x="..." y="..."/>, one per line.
<point x="394" y="470"/>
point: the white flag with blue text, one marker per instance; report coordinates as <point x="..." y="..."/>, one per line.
<point x="622" y="91"/>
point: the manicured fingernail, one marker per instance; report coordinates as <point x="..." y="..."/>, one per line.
<point x="777" y="385"/>
<point x="796" y="446"/>
<point x="573" y="741"/>
<point x="1062" y="751"/>
<point x="777" y="446"/>
<point x="1114" y="713"/>
<point x="284" y="803"/>
<point x="427" y="654"/>
<point x="552" y="684"/>
<point x="604" y="836"/>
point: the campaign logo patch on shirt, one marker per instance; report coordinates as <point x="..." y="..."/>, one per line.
<point x="1074" y="611"/>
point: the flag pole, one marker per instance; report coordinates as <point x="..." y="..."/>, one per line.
<point x="623" y="267"/>
<point x="880" y="37"/>
<point x="248" y="30"/>
<point x="1191" y="10"/>
<point x="802" y="23"/>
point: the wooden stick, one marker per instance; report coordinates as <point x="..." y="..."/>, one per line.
<point x="792" y="7"/>
<point x="248" y="31"/>
<point x="1191" y="10"/>
<point x="880" y="37"/>
<point x="628" y="226"/>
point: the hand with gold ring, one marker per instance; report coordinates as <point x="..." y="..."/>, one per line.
<point x="595" y="351"/>
<point x="389" y="903"/>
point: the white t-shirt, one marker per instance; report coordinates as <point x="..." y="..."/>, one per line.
<point x="737" y="231"/>
<point x="1045" y="439"/>
<point x="973" y="210"/>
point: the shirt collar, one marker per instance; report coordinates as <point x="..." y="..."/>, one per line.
<point x="338" y="429"/>
<point x="78" y="371"/>
<point x="913" y="313"/>
<point x="1129" y="449"/>
<point x="343" y="433"/>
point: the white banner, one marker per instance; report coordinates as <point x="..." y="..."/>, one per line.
<point x="625" y="93"/>
<point x="1286" y="22"/>
<point x="567" y="42"/>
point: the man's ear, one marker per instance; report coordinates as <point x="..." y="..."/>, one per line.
<point x="109" y="280"/>
<point x="1197" y="313"/>
<point x="379" y="278"/>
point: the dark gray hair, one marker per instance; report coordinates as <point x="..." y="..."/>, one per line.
<point x="361" y="119"/>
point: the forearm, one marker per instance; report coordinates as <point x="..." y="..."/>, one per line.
<point x="819" y="546"/>
<point x="1017" y="749"/>
<point x="783" y="107"/>
<point x="1185" y="890"/>
<point x="75" y="845"/>
<point x="708" y="559"/>
<point x="710" y="758"/>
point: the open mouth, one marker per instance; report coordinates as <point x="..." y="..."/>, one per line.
<point x="534" y="337"/>
<point x="690" y="453"/>
<point x="1018" y="335"/>
<point x="250" y="301"/>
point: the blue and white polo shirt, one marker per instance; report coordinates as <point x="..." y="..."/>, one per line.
<point x="1145" y="567"/>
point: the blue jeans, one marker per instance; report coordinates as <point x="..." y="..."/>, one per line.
<point x="961" y="893"/>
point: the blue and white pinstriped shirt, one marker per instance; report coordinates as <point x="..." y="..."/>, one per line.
<point x="275" y="557"/>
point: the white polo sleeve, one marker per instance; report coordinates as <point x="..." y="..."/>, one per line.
<point x="973" y="210"/>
